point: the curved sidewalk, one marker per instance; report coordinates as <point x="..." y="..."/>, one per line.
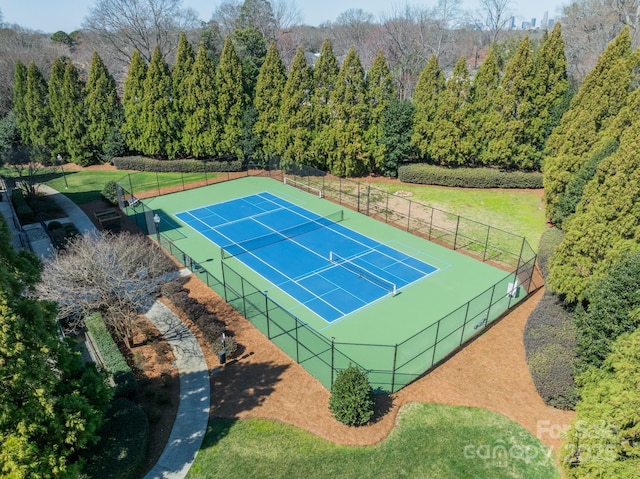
<point x="192" y="417"/>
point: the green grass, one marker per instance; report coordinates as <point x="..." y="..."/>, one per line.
<point x="430" y="441"/>
<point x="519" y="212"/>
<point x="85" y="186"/>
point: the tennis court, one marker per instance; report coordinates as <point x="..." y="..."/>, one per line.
<point x="330" y="286"/>
<point x="327" y="267"/>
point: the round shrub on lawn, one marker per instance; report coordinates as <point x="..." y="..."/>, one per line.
<point x="351" y="400"/>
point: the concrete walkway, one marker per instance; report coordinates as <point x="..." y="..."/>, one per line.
<point x="193" y="411"/>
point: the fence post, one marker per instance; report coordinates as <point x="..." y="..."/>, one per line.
<point x="368" y="199"/>
<point x="224" y="283"/>
<point x="244" y="299"/>
<point x="393" y="371"/>
<point x="466" y="318"/>
<point x="158" y="182"/>
<point x="435" y="343"/>
<point x="182" y="179"/>
<point x="333" y="340"/>
<point x="131" y="186"/>
<point x="386" y="210"/>
<point x="431" y="223"/>
<point x="297" y="342"/>
<point x="486" y="245"/>
<point x="455" y="238"/>
<point x="358" y="197"/>
<point x="409" y="217"/>
<point x="266" y="310"/>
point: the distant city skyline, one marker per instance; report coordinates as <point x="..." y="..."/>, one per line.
<point x="50" y="16"/>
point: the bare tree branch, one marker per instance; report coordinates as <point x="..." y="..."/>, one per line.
<point x="113" y="274"/>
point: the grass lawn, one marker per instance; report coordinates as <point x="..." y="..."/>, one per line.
<point x="85" y="186"/>
<point x="431" y="441"/>
<point x="517" y="211"/>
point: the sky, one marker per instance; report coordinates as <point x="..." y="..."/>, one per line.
<point x="50" y="16"/>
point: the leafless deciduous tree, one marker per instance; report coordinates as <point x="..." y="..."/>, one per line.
<point x="125" y="25"/>
<point x="497" y="15"/>
<point x="113" y="274"/>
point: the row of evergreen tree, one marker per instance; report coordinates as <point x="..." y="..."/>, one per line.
<point x="331" y="116"/>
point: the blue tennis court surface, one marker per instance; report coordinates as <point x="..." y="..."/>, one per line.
<point x="327" y="267"/>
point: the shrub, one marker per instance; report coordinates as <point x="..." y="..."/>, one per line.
<point x="550" y="340"/>
<point x="109" y="193"/>
<point x="229" y="347"/>
<point x="140" y="163"/>
<point x="351" y="400"/>
<point x="426" y="174"/>
<point x="23" y="210"/>
<point x="549" y="241"/>
<point x="211" y="327"/>
<point x="54" y="225"/>
<point x="121" y="451"/>
<point x="115" y="362"/>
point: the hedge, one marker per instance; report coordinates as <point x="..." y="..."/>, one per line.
<point x="550" y="341"/>
<point x="115" y="362"/>
<point x="426" y="174"/>
<point x="549" y="241"/>
<point x="23" y="210"/>
<point x="140" y="163"/>
<point x="122" y="449"/>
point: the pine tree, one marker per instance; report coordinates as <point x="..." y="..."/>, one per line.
<point x="551" y="86"/>
<point x="158" y="133"/>
<point x="231" y="101"/>
<point x="102" y="106"/>
<point x="38" y="114"/>
<point x="452" y="141"/>
<point x="132" y="102"/>
<point x="56" y="101"/>
<point x="351" y="152"/>
<point x="482" y="95"/>
<point x="202" y="127"/>
<point x="426" y="96"/>
<point x="19" y="94"/>
<point x="296" y="113"/>
<point x="74" y="133"/>
<point x="268" y="99"/>
<point x="380" y="94"/>
<point x="511" y="145"/>
<point x="598" y="101"/>
<point x="325" y="75"/>
<point x="179" y="79"/>
<point x="603" y="439"/>
<point x="606" y="224"/>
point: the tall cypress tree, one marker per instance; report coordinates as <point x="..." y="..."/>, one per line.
<point x="38" y="114"/>
<point x="19" y="94"/>
<point x="102" y="106"/>
<point x="551" y="86"/>
<point x="132" y="102"/>
<point x="296" y="117"/>
<point x="201" y="131"/>
<point x="453" y="140"/>
<point x="426" y="96"/>
<point x="379" y="95"/>
<point x="350" y="154"/>
<point x="325" y="75"/>
<point x="74" y="133"/>
<point x="56" y="101"/>
<point x="231" y="101"/>
<point x="482" y="94"/>
<point x="599" y="99"/>
<point x="511" y="143"/>
<point x="606" y="224"/>
<point x="158" y="134"/>
<point x="179" y="79"/>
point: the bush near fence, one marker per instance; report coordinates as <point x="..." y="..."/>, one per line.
<point x="115" y="362"/>
<point x="140" y="163"/>
<point x="426" y="174"/>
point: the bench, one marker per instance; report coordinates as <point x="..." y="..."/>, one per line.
<point x="108" y="218"/>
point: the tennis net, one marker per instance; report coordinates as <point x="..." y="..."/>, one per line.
<point x="348" y="264"/>
<point x="235" y="249"/>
